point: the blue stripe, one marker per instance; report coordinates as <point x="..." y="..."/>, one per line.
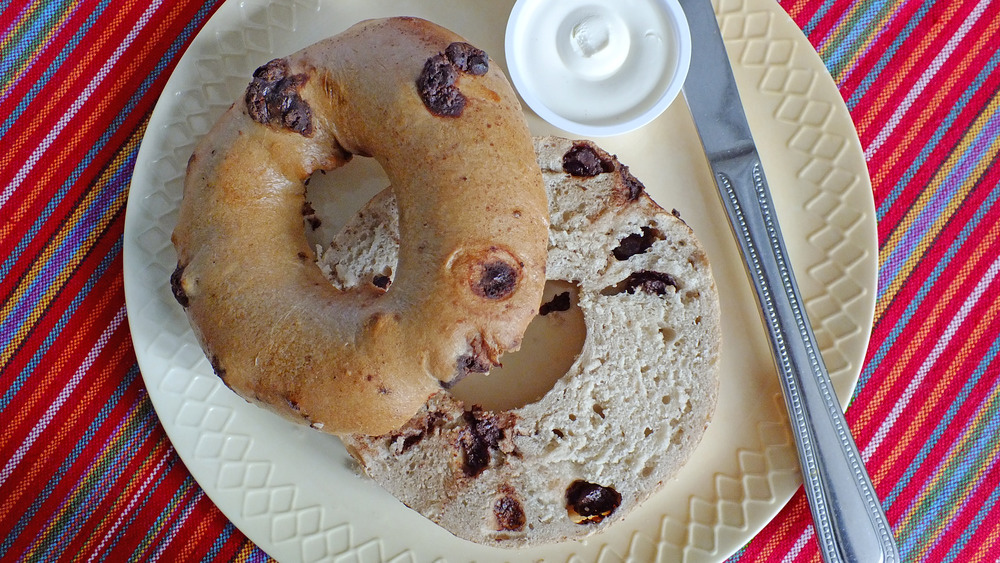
<point x="961" y="468"/>
<point x="116" y="124"/>
<point x="973" y="526"/>
<point x="929" y="284"/>
<point x="817" y="17"/>
<point x="876" y="71"/>
<point x="71" y="309"/>
<point x="123" y="530"/>
<point x="26" y="38"/>
<point x="216" y="548"/>
<point x="969" y="162"/>
<point x="946" y="124"/>
<point x="84" y="230"/>
<point x="53" y="481"/>
<point x="939" y="430"/>
<point x="846" y="47"/>
<point x="43" y="81"/>
<point x="139" y="425"/>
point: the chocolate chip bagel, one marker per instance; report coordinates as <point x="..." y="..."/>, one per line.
<point x="625" y="416"/>
<point x="447" y="128"/>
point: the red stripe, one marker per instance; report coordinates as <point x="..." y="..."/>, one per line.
<point x="59" y="438"/>
<point x="889" y="166"/>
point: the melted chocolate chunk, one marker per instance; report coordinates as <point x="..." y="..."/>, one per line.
<point x="272" y="98"/>
<point x="636" y="243"/>
<point x="591" y="503"/>
<point x="468" y="58"/>
<point x="477" y="439"/>
<point x="654" y="283"/>
<point x="436" y="86"/>
<point x="509" y="513"/>
<point x="177" y="288"/>
<point x="476" y="361"/>
<point x="498" y="280"/>
<point x="633" y="186"/>
<point x="559" y="302"/>
<point x="582" y="160"/>
<point x="382" y="282"/>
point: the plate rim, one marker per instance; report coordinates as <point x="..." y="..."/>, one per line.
<point x="134" y="296"/>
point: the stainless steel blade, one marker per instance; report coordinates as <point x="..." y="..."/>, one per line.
<point x="849" y="521"/>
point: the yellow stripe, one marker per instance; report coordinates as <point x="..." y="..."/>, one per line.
<point x="901" y="368"/>
<point x="926" y="115"/>
<point x="889" y="293"/>
<point x="39" y="44"/>
<point x="931" y="487"/>
<point x="903" y="76"/>
<point x="937" y="395"/>
<point x="53" y="288"/>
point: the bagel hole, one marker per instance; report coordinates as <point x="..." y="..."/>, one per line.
<point x="335" y="196"/>
<point x="550" y="345"/>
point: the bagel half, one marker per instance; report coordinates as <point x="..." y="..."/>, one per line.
<point x="622" y="420"/>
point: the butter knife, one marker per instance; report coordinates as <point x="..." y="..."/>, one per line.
<point x="849" y="521"/>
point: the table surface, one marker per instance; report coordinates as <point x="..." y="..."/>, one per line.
<point x="88" y="472"/>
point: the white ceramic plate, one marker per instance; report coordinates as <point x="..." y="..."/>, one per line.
<point x="294" y="491"/>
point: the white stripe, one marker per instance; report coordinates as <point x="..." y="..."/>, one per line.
<point x="128" y="508"/>
<point x="50" y="413"/>
<point x="36" y="155"/>
<point x="807" y="535"/>
<point x="925" y="78"/>
<point x="931" y="359"/>
<point x="176" y="527"/>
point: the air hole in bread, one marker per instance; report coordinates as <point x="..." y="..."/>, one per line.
<point x="668" y="333"/>
<point x="335" y="197"/>
<point x="549" y="347"/>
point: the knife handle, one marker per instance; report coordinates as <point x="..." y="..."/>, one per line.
<point x="849" y="521"/>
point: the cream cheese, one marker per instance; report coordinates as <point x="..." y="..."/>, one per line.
<point x="598" y="63"/>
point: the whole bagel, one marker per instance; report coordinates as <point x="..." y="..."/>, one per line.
<point x="447" y="128"/>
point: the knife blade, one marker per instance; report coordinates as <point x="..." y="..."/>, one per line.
<point x="849" y="521"/>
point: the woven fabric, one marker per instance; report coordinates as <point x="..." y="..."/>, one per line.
<point x="86" y="470"/>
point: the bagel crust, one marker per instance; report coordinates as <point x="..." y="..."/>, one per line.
<point x="447" y="128"/>
<point x="629" y="411"/>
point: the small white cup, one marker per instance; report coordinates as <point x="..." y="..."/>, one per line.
<point x="598" y="68"/>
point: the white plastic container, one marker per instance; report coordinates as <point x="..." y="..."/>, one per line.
<point x="598" y="68"/>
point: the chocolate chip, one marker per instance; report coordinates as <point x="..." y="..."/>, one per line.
<point x="498" y="280"/>
<point x="477" y="439"/>
<point x="588" y="503"/>
<point x="633" y="187"/>
<point x="509" y="513"/>
<point x="560" y="302"/>
<point x="654" y="283"/>
<point x="468" y="58"/>
<point x="177" y="287"/>
<point x="272" y="98"/>
<point x="417" y="429"/>
<point x="436" y="86"/>
<point x="382" y="282"/>
<point x="636" y="243"/>
<point x="582" y="160"/>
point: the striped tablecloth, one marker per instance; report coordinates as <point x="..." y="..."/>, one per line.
<point x="87" y="471"/>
